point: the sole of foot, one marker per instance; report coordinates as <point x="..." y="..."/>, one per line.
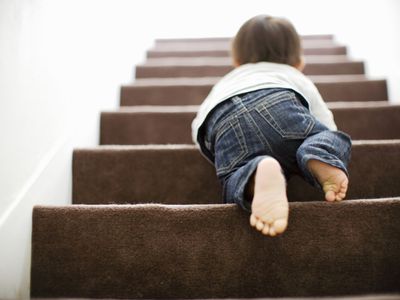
<point x="270" y="208"/>
<point x="333" y="180"/>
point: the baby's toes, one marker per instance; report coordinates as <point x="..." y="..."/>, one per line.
<point x="253" y="220"/>
<point x="265" y="230"/>
<point x="260" y="225"/>
<point x="330" y="196"/>
<point x="272" y="231"/>
<point x="340" y="196"/>
<point x="342" y="192"/>
<point x="280" y="225"/>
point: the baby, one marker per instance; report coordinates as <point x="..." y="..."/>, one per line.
<point x="265" y="121"/>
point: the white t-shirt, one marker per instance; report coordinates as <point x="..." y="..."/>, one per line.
<point x="251" y="77"/>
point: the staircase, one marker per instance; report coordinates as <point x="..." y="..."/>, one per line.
<point x="147" y="220"/>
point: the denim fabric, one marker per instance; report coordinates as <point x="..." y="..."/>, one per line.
<point x="243" y="130"/>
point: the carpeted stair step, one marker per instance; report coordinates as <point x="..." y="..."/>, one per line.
<point x="385" y="296"/>
<point x="210" y="251"/>
<point x="138" y="125"/>
<point x="226" y="45"/>
<point x="190" y="70"/>
<point x="152" y="53"/>
<point x="178" y="174"/>
<point x="306" y="37"/>
<point x="171" y="61"/>
<point x="192" y="91"/>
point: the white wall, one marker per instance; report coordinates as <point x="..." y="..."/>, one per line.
<point x="62" y="62"/>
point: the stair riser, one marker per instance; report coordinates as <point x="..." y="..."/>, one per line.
<point x="223" y="45"/>
<point x="139" y="175"/>
<point x="211" y="252"/>
<point x="338" y="50"/>
<point x="227" y="61"/>
<point x="146" y="71"/>
<point x="194" y="94"/>
<point x="318" y="37"/>
<point x="137" y="128"/>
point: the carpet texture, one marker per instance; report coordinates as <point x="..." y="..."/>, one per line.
<point x="336" y="50"/>
<point x="180" y="175"/>
<point x="304" y="37"/>
<point x="226" y="45"/>
<point x="138" y="125"/>
<point x="192" y="91"/>
<point x="211" y="251"/>
<point x="361" y="297"/>
<point x="149" y="71"/>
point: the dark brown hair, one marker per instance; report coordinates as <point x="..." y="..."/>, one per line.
<point x="266" y="38"/>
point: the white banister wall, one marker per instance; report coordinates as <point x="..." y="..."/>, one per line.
<point x="62" y="62"/>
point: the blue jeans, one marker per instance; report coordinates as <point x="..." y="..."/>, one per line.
<point x="247" y="128"/>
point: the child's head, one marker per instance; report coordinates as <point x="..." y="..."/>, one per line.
<point x="269" y="39"/>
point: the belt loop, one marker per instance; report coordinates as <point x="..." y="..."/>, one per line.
<point x="237" y="100"/>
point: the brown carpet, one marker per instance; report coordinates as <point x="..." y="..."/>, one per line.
<point x="178" y="174"/>
<point x="210" y="251"/>
<point x="192" y="91"/>
<point x="137" y="125"/>
<point x="334" y="50"/>
<point x="188" y="70"/>
<point x="362" y="297"/>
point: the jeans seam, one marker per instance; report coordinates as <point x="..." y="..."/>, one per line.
<point x="243" y="147"/>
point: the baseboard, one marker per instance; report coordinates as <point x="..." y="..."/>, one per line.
<point x="49" y="184"/>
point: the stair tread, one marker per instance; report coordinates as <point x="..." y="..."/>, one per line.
<point x="128" y="174"/>
<point x="172" y="124"/>
<point x="331" y="50"/>
<point x="227" y="39"/>
<point x="196" y="61"/>
<point x="194" y="108"/>
<point x="224" y="45"/>
<point x="210" y="46"/>
<point x="158" y="251"/>
<point x="192" y="91"/>
<point x="214" y="80"/>
<point x="362" y="297"/>
<point x="191" y="70"/>
<point x="378" y="142"/>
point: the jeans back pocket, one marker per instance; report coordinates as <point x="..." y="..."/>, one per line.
<point x="286" y="115"/>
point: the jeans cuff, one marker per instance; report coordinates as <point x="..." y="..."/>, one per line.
<point x="235" y="186"/>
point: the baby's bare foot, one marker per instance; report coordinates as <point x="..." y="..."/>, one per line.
<point x="270" y="206"/>
<point x="333" y="180"/>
